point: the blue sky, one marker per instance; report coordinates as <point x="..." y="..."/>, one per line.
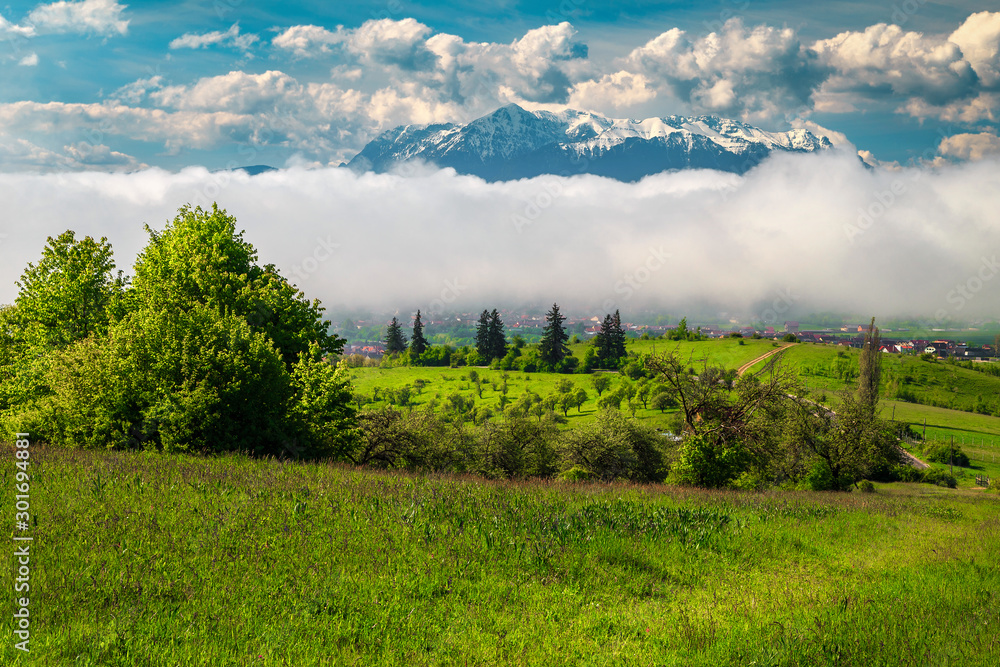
<point x="101" y="85"/>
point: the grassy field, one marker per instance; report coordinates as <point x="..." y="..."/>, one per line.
<point x="934" y="383"/>
<point x="144" y="559"/>
<point x="978" y="434"/>
<point x="440" y="382"/>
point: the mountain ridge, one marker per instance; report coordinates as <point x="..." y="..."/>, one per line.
<point x="512" y="143"/>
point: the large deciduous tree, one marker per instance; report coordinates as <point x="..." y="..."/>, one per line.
<point x="207" y="351"/>
<point x="68" y="295"/>
<point x="201" y="258"/>
<point x="730" y="425"/>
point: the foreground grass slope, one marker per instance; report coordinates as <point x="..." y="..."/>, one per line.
<point x="144" y="559"/>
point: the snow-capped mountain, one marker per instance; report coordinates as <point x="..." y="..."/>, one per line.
<point x="513" y="143"/>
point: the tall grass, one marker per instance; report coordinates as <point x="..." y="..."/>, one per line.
<point x="146" y="559"/>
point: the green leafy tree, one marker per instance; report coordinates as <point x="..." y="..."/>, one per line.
<point x="175" y="381"/>
<point x="552" y="349"/>
<point x="321" y="410"/>
<point x="200" y="258"/>
<point x="643" y="390"/>
<point x="601" y="381"/>
<point x="854" y="443"/>
<point x="663" y="401"/>
<point x="207" y="351"/>
<point x="395" y="341"/>
<point x="69" y="294"/>
<point x="730" y="425"/>
<point x="418" y="344"/>
<point x="611" y="401"/>
<point x="616" y="448"/>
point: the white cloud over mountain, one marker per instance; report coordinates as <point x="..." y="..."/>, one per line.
<point x="833" y="234"/>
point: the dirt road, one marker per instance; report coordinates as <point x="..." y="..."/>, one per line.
<point x="750" y="364"/>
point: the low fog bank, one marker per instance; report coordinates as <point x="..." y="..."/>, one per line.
<point x="799" y="233"/>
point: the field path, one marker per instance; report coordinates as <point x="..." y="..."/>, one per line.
<point x="750" y="364"/>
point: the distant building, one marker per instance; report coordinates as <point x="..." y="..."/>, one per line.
<point x="791" y="327"/>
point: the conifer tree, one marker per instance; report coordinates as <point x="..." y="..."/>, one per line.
<point x="610" y="341"/>
<point x="418" y="344"/>
<point x="602" y="341"/>
<point x="497" y="342"/>
<point x="395" y="341"/>
<point x="552" y="349"/>
<point x="617" y="343"/>
<point x="483" y="335"/>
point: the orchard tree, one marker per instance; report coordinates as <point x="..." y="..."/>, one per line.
<point x="552" y="349"/>
<point x="601" y="382"/>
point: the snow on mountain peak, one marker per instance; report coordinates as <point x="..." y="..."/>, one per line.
<point x="512" y="142"/>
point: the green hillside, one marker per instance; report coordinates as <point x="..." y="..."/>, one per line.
<point x="933" y="389"/>
<point x="235" y="561"/>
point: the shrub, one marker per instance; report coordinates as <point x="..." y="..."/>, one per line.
<point x="942" y="453"/>
<point x="866" y="486"/>
<point x="615" y="447"/>
<point x="703" y="463"/>
<point x="820" y="477"/>
<point x="939" y="477"/>
<point x="905" y="473"/>
<point x="576" y="474"/>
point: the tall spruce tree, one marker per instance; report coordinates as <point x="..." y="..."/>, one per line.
<point x="552" y="349"/>
<point x="483" y="335"/>
<point x="617" y="343"/>
<point x="495" y="336"/>
<point x="418" y="344"/>
<point x="610" y="341"/>
<point x="395" y="341"/>
<point x="602" y="341"/>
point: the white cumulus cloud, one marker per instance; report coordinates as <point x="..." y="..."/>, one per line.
<point x="231" y="37"/>
<point x="101" y="17"/>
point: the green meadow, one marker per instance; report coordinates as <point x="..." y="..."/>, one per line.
<point x="150" y="559"/>
<point x="824" y="370"/>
